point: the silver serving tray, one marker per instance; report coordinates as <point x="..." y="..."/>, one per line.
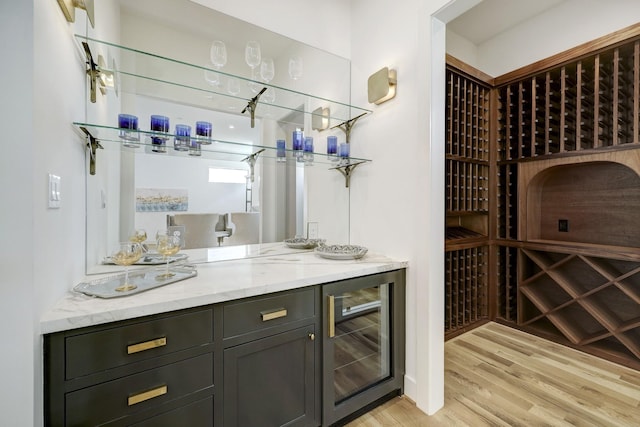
<point x="142" y="279"/>
<point x="302" y="243"/>
<point x="341" y="251"/>
<point x="152" y="259"/>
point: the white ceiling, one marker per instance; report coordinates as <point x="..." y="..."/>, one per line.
<point x="492" y="17"/>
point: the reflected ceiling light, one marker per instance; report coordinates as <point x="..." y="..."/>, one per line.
<point x="382" y="85"/>
<point x="69" y="9"/>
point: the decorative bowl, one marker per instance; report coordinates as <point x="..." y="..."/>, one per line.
<point x="303" y="243"/>
<point x="341" y="251"/>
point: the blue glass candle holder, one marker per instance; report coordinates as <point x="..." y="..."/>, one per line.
<point x="308" y="150"/>
<point x="194" y="147"/>
<point x="281" y="150"/>
<point x="128" y="124"/>
<point x="203" y="132"/>
<point x="160" y="128"/>
<point x="298" y="141"/>
<point x="182" y="140"/>
<point x="343" y="152"/>
<point x="332" y="148"/>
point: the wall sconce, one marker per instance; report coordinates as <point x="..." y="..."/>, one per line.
<point x="69" y="9"/>
<point x="320" y="118"/>
<point x="382" y="85"/>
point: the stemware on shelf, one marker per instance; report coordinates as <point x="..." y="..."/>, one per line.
<point x="253" y="57"/>
<point x="252" y="54"/>
<point x="125" y="254"/>
<point x="218" y="57"/>
<point x="295" y="67"/>
<point x="167" y="245"/>
<point x="267" y="73"/>
<point x="233" y="86"/>
<point x="218" y="54"/>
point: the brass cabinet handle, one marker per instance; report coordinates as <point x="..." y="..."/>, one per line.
<point x="147" y="345"/>
<point x="273" y="314"/>
<point x="312" y="336"/>
<point x="331" y="327"/>
<point x="150" y="394"/>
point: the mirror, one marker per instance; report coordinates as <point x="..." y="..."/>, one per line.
<point x="283" y="196"/>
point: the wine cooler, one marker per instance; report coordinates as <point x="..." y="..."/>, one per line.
<point x="363" y="343"/>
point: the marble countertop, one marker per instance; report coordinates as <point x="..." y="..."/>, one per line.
<point x="265" y="269"/>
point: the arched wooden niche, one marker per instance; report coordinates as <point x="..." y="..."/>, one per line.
<point x="598" y="202"/>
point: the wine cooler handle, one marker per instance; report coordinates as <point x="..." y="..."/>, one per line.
<point x="331" y="327"/>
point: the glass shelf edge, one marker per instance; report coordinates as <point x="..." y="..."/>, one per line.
<point x="113" y="137"/>
<point x="81" y="38"/>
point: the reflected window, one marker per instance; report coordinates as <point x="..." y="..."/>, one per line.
<point x="227" y="176"/>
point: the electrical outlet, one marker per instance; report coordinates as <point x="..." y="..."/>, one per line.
<point x="563" y="225"/>
<point x="312" y="230"/>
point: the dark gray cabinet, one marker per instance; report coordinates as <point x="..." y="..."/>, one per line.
<point x="272" y="381"/>
<point x="262" y="361"/>
<point x="272" y="361"/>
<point x="131" y="372"/>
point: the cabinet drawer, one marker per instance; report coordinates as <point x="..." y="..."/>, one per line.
<point x="265" y="312"/>
<point x="97" y="351"/>
<point x="139" y="392"/>
<point x="197" y="414"/>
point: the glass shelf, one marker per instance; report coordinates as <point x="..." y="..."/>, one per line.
<point x="152" y="75"/>
<point x="218" y="150"/>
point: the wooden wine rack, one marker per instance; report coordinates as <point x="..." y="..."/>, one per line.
<point x="466" y="294"/>
<point x="467" y="201"/>
<point x="563" y="148"/>
<point x="594" y="301"/>
<point x="590" y="103"/>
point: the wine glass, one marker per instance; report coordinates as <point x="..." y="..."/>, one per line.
<point x="218" y="54"/>
<point x="252" y="54"/>
<point x="267" y="73"/>
<point x="126" y="253"/>
<point x="211" y="76"/>
<point x="267" y="69"/>
<point x="167" y="245"/>
<point x="295" y="67"/>
<point x="233" y="87"/>
<point x="139" y="235"/>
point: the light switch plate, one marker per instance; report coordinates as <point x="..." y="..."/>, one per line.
<point x="312" y="230"/>
<point x="53" y="194"/>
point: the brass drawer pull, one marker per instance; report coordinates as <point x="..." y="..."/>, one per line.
<point x="273" y="314"/>
<point x="141" y="397"/>
<point x="147" y="345"/>
<point x="331" y="316"/>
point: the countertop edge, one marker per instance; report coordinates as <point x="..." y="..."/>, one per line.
<point x="76" y="310"/>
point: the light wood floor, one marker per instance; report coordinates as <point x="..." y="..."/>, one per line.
<point x="498" y="376"/>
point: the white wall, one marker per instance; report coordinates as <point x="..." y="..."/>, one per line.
<point x="393" y="208"/>
<point x="324" y="24"/>
<point x="18" y="325"/>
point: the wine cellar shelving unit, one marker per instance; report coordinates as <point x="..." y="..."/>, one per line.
<point x="562" y="259"/>
<point x="467" y="202"/>
<point x="574" y="111"/>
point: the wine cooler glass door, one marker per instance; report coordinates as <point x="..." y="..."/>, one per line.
<point x="359" y="359"/>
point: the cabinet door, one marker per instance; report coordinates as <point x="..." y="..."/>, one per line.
<point x="363" y="342"/>
<point x="271" y="381"/>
